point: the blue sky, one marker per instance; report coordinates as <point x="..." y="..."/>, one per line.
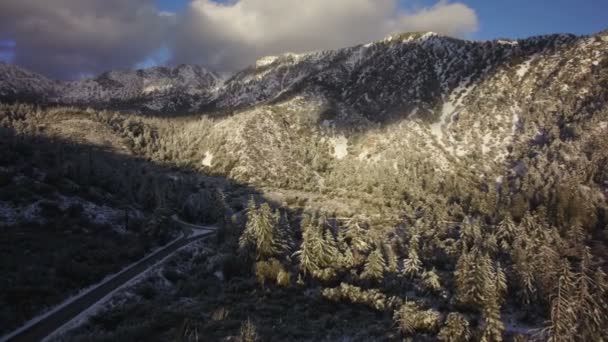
<point x="6" y="47"/>
<point x="522" y="18"/>
<point x="172" y="5"/>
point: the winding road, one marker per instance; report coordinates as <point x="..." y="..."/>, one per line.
<point x="62" y="315"/>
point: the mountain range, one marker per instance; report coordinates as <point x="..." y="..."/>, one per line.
<point x="379" y="81"/>
<point x="448" y="182"/>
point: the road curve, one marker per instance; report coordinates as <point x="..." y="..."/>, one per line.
<point x="49" y="324"/>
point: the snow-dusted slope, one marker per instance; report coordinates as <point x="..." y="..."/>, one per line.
<point x="22" y="85"/>
<point x="155" y="89"/>
<point x="443" y="104"/>
<point x="158" y="89"/>
<point x="405" y="74"/>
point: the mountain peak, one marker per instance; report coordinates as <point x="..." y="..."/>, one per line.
<point x="288" y="56"/>
<point x="405" y="37"/>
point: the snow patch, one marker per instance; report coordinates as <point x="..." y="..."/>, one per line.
<point x="507" y="42"/>
<point x="340" y="145"/>
<point x="485" y="147"/>
<point x="364" y="155"/>
<point x="31" y="213"/>
<point x="446" y="112"/>
<point x="428" y="35"/>
<point x="152" y="88"/>
<point x="514" y="121"/>
<point x="100" y="214"/>
<point x="355" y="58"/>
<point x="265" y="61"/>
<point x="208" y="160"/>
<point x="523" y="68"/>
<point x="450" y="108"/>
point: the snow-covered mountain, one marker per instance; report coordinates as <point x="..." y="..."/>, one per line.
<point x="158" y="89"/>
<point x="412" y="73"/>
<point x="392" y="110"/>
<point x="18" y="84"/>
<point x="388" y="79"/>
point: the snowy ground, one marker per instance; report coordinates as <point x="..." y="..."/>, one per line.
<point x="449" y="109"/>
<point x="340" y="145"/>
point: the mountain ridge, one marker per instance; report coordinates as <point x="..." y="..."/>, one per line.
<point x="421" y="59"/>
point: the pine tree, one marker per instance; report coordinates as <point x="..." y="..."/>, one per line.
<point x="357" y="235"/>
<point x="318" y="254"/>
<point x="267" y="238"/>
<point x="329" y="252"/>
<point x="506" y="231"/>
<point x="391" y="258"/>
<point x="347" y="260"/>
<point x="575" y="236"/>
<point x="590" y="298"/>
<point x="413" y="265"/>
<point x="375" y="266"/>
<point x="500" y="282"/>
<point x="410" y="318"/>
<point x="247" y="238"/>
<point x="473" y="271"/>
<point x="310" y="244"/>
<point x="249" y="332"/>
<point x="470" y="232"/>
<point x="561" y="327"/>
<point x="285" y="230"/>
<point x="456" y="329"/>
<point x="431" y="280"/>
<point x="492" y="327"/>
<point x="261" y="232"/>
<point x="523" y="269"/>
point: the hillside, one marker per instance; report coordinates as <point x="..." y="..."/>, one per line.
<point x="423" y="186"/>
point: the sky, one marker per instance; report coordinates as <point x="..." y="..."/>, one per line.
<point x="66" y="39"/>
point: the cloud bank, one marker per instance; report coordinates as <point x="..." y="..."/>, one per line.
<point x="66" y="38"/>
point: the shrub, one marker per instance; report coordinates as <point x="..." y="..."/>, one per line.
<point x="456" y="329"/>
<point x="410" y="318"/>
<point x="272" y="271"/>
<point x="354" y="294"/>
<point x="249" y="332"/>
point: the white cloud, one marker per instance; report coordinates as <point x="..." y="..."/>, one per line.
<point x="232" y="35"/>
<point x="64" y="38"/>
